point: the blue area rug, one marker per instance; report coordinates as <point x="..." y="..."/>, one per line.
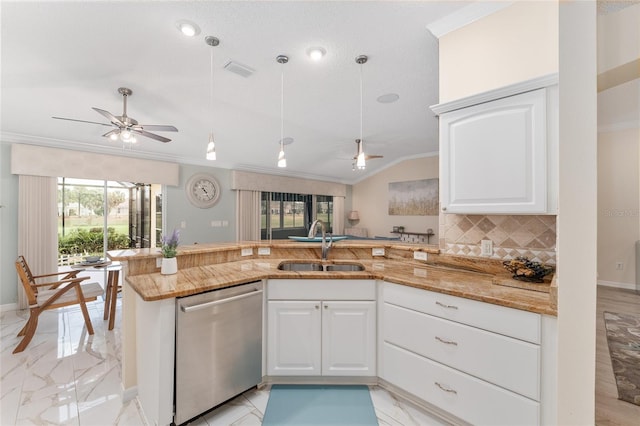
<point x="319" y="405"/>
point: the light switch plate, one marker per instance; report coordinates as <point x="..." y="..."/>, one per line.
<point x="247" y="252"/>
<point x="378" y="251"/>
<point x="419" y="255"/>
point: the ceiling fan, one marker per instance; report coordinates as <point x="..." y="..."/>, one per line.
<point x="125" y="126"/>
<point x="366" y="156"/>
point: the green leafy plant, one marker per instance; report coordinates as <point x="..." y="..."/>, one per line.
<point x="170" y="244"/>
<point x="91" y="241"/>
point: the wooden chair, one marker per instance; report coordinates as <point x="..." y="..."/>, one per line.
<point x="52" y="295"/>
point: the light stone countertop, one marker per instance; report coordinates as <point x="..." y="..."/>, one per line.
<point x="456" y="282"/>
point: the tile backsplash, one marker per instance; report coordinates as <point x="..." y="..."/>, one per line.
<point x="532" y="236"/>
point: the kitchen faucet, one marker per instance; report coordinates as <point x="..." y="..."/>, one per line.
<point x="312" y="233"/>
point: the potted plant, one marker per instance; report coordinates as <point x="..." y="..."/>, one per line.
<point x="169" y="251"/>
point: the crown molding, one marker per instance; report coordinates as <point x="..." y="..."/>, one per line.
<point x="465" y="16"/>
<point x="501" y="92"/>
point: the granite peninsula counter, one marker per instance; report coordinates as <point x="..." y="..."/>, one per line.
<point x="149" y="298"/>
<point x="214" y="266"/>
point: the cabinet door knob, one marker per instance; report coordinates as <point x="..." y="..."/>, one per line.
<point x="326" y="306"/>
<point x="444" y="209"/>
<point x="317" y="307"/>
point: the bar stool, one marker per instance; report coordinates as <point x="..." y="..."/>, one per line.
<point x="111" y="293"/>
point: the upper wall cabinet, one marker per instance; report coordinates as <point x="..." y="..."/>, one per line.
<point x="499" y="156"/>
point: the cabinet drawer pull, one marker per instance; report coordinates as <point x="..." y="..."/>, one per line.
<point x="317" y="307"/>
<point x="447" y="342"/>
<point x="446" y="389"/>
<point x="446" y="306"/>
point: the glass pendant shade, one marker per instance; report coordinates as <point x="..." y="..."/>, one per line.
<point x="211" y="148"/>
<point x="282" y="160"/>
<point x="360" y="161"/>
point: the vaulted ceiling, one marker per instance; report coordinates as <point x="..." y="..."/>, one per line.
<point x="62" y="58"/>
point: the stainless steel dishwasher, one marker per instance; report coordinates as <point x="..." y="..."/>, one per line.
<point x="218" y="347"/>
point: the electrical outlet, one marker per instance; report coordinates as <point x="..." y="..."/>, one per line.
<point x="486" y="248"/>
<point x="377" y="251"/>
<point x="246" y="252"/>
<point x="264" y="251"/>
<point x="619" y="266"/>
<point x="183" y="224"/>
<point x="216" y="223"/>
<point x="158" y="262"/>
<point x="419" y="255"/>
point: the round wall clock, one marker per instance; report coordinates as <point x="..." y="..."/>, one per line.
<point x="203" y="190"/>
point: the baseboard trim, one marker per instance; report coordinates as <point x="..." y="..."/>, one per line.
<point x="9" y="307"/>
<point x="627" y="286"/>
<point x="129" y="393"/>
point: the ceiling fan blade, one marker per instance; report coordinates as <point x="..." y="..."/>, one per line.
<point x="150" y="135"/>
<point x="371" y="157"/>
<point x="111" y="132"/>
<point x="112" y="118"/>
<point x="82" y="121"/>
<point x="156" y="127"/>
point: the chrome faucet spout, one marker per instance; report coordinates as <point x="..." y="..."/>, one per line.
<point x="312" y="233"/>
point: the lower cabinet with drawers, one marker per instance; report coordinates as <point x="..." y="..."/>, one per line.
<point x="482" y="363"/>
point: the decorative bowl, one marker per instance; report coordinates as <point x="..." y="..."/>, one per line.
<point x="92" y="259"/>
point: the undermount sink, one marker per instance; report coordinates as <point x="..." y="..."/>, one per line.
<point x="316" y="266"/>
<point x="302" y="266"/>
<point x="344" y="267"/>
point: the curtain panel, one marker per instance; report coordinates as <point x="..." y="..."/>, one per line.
<point x="37" y="226"/>
<point x="338" y="215"/>
<point x="248" y="210"/>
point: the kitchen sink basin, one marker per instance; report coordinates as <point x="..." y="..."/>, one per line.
<point x="316" y="266"/>
<point x="344" y="267"/>
<point x="300" y="266"/>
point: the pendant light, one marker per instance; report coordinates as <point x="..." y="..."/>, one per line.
<point x="282" y="160"/>
<point x="360" y="159"/>
<point x="211" y="146"/>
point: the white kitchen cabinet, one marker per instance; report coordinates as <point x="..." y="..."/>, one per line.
<point x="498" y="157"/>
<point x="482" y="363"/>
<point x="294" y="338"/>
<point x="348" y="338"/>
<point x="311" y="331"/>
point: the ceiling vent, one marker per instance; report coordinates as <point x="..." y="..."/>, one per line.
<point x="238" y="68"/>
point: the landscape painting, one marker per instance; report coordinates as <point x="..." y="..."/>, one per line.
<point x="414" y="198"/>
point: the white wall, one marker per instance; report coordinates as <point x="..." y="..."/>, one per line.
<point x="618" y="38"/>
<point x="197" y="221"/>
<point x="618" y="201"/>
<point x="577" y="213"/>
<point x="369" y="197"/>
<point x="473" y="58"/>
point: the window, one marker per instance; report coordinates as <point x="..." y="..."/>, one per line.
<point x="285" y="214"/>
<point x="86" y="220"/>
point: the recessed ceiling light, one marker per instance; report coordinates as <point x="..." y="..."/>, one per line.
<point x="188" y="28"/>
<point x="388" y="98"/>
<point x="316" y="53"/>
<point x="286" y="141"/>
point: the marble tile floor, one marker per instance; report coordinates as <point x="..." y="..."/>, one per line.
<point x="66" y="377"/>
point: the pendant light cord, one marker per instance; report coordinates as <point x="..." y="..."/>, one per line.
<point x="360" y="106"/>
<point x="282" y="107"/>
<point x="211" y="87"/>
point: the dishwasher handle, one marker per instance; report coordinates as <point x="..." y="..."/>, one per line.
<point x="187" y="309"/>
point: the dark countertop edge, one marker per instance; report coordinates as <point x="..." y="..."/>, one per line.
<point x="255" y="275"/>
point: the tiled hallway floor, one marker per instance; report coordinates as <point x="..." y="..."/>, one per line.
<point x="66" y="377"/>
